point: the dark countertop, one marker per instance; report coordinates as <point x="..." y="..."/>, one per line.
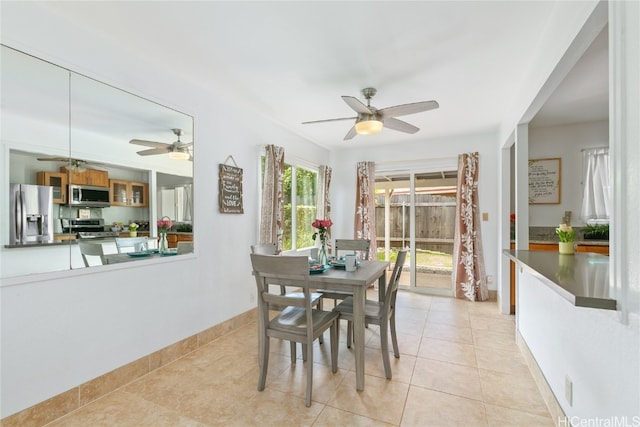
<point x="577" y="242"/>
<point x="582" y="278"/>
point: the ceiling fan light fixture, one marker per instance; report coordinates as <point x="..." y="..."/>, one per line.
<point x="368" y="126"/>
<point x="179" y="155"/>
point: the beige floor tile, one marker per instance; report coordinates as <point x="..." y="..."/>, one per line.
<point x="414" y="300"/>
<point x="485" y="308"/>
<point x="501" y="360"/>
<point x="447" y="351"/>
<point x="381" y="399"/>
<point x="510" y="391"/>
<point x="401" y="369"/>
<point x="274" y="408"/>
<point x="503" y="324"/>
<point x="489" y="339"/>
<point x="448" y="378"/>
<point x="500" y="417"/>
<point x="407" y="343"/>
<point x="446" y="332"/>
<point x="294" y="381"/>
<point x="125" y="410"/>
<point x="418" y="314"/>
<point x="432" y="408"/>
<point x="459" y="319"/>
<point x="332" y="417"/>
<point x="410" y="326"/>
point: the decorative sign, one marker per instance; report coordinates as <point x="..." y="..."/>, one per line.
<point x="544" y="181"/>
<point x="230" y="189"/>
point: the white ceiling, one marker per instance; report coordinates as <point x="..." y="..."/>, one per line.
<point x="293" y="60"/>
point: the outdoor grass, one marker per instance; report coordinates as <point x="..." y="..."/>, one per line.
<point x="425" y="258"/>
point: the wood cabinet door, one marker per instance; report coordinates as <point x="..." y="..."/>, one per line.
<point x="138" y="194"/>
<point x="118" y="192"/>
<point x="97" y="178"/>
<point x="57" y="180"/>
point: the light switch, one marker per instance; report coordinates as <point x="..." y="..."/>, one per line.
<point x="485" y="216"/>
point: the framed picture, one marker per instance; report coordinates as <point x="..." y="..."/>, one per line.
<point x="544" y="181"/>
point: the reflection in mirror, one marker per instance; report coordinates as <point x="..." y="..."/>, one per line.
<point x="72" y="134"/>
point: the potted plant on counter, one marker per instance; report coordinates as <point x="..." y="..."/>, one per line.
<point x="133" y="229"/>
<point x="567" y="235"/>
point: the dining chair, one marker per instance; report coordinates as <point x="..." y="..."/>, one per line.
<point x="380" y="313"/>
<point x="91" y="252"/>
<point x="131" y="244"/>
<point x="185" y="247"/>
<point x="270" y="249"/>
<point x="360" y="247"/>
<point x="298" y="322"/>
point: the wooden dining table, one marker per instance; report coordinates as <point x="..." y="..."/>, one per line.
<point x="356" y="282"/>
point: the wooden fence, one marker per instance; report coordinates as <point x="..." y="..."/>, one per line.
<point x="435" y="219"/>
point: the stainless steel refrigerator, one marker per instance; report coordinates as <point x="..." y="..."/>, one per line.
<point x="31" y="216"/>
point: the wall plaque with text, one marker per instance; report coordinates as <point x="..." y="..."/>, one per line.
<point x="544" y="181"/>
<point x="230" y="189"/>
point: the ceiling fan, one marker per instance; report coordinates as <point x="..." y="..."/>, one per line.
<point x="177" y="150"/>
<point x="73" y="165"/>
<point x="371" y="120"/>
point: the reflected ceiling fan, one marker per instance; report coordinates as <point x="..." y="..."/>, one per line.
<point x="74" y="165"/>
<point x="177" y="151"/>
<point x="370" y="120"/>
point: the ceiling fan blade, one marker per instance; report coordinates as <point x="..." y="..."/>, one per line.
<point x="329" y="120"/>
<point x="356" y="105"/>
<point x="153" y="151"/>
<point x="404" y="109"/>
<point x="148" y="143"/>
<point x="352" y="132"/>
<point x="395" y="124"/>
<point x="54" y="159"/>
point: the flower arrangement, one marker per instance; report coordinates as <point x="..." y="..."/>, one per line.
<point x="164" y="224"/>
<point x="133" y="227"/>
<point x="322" y="226"/>
<point x="566" y="233"/>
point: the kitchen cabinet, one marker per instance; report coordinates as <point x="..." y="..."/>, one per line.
<point x="129" y="193"/>
<point x="57" y="180"/>
<point x="93" y="177"/>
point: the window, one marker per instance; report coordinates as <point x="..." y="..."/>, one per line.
<point x="300" y="196"/>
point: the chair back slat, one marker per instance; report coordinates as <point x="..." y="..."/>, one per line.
<point x="392" y="287"/>
<point x="353" y="245"/>
<point x="264" y="249"/>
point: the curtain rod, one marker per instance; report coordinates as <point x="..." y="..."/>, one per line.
<point x="595" y="148"/>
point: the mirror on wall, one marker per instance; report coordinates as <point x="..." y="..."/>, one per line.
<point x="72" y="134"/>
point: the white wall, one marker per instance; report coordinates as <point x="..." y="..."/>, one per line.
<point x="565" y="142"/>
<point x="427" y="153"/>
<point x="62" y="329"/>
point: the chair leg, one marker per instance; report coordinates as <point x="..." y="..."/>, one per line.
<point x="264" y="362"/>
<point x="349" y="333"/>
<point x="304" y="352"/>
<point x="292" y="346"/>
<point x="335" y="339"/>
<point x="394" y="337"/>
<point x="384" y="348"/>
<point x="321" y="337"/>
<point x="308" y="349"/>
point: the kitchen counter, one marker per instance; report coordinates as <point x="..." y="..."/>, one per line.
<point x="41" y="244"/>
<point x="582" y="278"/>
<point x="577" y="242"/>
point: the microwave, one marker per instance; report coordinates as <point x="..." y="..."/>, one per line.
<point x="90" y="197"/>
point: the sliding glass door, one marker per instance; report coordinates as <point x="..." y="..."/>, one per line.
<point x="416" y="210"/>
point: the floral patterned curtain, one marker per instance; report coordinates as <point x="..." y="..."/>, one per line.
<point x="365" y="217"/>
<point x="468" y="276"/>
<point x="272" y="213"/>
<point x="323" y="203"/>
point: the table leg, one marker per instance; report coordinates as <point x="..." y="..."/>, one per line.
<point x="382" y="286"/>
<point x="358" y="334"/>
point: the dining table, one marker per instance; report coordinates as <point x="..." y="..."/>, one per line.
<point x="135" y="256"/>
<point x="357" y="282"/>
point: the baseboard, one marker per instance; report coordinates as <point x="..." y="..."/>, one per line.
<point x="58" y="406"/>
<point x="550" y="400"/>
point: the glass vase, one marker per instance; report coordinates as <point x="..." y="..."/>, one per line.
<point x="163" y="245"/>
<point x="323" y="258"/>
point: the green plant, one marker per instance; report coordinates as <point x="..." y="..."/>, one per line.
<point x="596" y="231"/>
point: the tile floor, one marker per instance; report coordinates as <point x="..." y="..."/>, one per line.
<point x="459" y="365"/>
